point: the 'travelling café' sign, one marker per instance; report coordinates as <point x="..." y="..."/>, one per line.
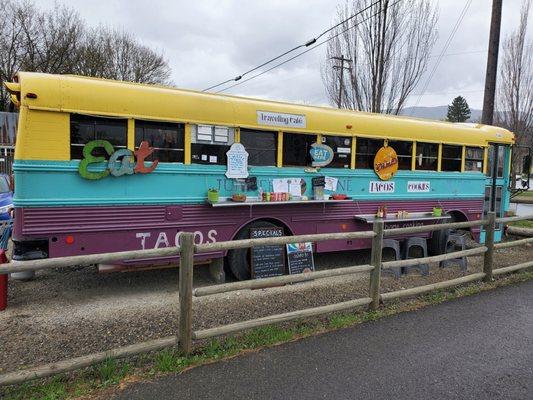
<point x="121" y="162"/>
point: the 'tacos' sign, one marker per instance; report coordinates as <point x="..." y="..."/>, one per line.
<point x="321" y="154"/>
<point x="121" y="162"/>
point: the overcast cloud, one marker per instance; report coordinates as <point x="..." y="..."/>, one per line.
<point x="208" y="41"/>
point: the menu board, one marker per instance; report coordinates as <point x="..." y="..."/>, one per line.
<point x="300" y="257"/>
<point x="318" y="181"/>
<point x="267" y="261"/>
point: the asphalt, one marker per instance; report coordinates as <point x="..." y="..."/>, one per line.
<point x="477" y="347"/>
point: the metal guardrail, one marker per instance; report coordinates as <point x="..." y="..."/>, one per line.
<point x="187" y="249"/>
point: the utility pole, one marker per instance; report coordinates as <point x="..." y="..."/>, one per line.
<point x="341" y="75"/>
<point x="487" y="116"/>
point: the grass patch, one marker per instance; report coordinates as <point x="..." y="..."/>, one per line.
<point x="522" y="224"/>
<point x="528" y="195"/>
<point x="111" y="372"/>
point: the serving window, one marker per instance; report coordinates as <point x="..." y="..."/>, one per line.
<point x="342" y="149"/>
<point x="427" y="155"/>
<point x="451" y="158"/>
<point x="262" y="146"/>
<point x="167" y="139"/>
<point x="84" y="128"/>
<point x="210" y="144"/>
<point x="404" y="151"/>
<point x="296" y="147"/>
<point x="366" y="150"/>
<point x="474" y="159"/>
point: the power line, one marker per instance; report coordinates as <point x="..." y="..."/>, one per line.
<point x="303" y="52"/>
<point x="445" y="47"/>
<point x="306" y="44"/>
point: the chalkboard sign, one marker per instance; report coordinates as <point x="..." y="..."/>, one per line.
<point x="251" y="183"/>
<point x="318" y="181"/>
<point x="300" y="257"/>
<point x="267" y="261"/>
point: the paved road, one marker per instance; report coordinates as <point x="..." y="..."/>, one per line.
<point x="479" y="347"/>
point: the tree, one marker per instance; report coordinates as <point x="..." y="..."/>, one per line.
<point x="458" y="111"/>
<point x="58" y="41"/>
<point x="388" y="45"/>
<point x="515" y="89"/>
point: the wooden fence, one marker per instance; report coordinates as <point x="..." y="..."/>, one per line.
<point x="186" y="335"/>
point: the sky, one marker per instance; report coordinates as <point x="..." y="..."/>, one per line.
<point x="210" y="41"/>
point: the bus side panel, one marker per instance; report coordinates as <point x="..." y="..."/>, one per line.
<point x="88" y="230"/>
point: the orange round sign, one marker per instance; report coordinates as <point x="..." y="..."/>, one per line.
<point x="386" y="163"/>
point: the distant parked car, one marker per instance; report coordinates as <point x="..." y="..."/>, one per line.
<point x="6" y="198"/>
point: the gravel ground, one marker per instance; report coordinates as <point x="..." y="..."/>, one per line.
<point x="66" y="313"/>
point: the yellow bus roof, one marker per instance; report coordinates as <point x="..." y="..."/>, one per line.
<point x="78" y="94"/>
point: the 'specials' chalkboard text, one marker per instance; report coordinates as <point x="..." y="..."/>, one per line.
<point x="267" y="261"/>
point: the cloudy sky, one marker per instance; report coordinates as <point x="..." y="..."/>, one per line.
<point x="209" y="41"/>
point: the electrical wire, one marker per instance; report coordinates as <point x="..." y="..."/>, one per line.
<point x="444" y="48"/>
<point x="304" y="52"/>
<point x="306" y="44"/>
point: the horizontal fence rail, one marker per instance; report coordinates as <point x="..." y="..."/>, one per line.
<point x="271" y="319"/>
<point x="513" y="219"/>
<point x="513" y="268"/>
<point x="279" y="280"/>
<point x="448" y="256"/>
<point x="273" y="241"/>
<point x="34" y="265"/>
<point x="12" y="378"/>
<point x="186" y="252"/>
<point x="434" y="286"/>
<point x="505" y="245"/>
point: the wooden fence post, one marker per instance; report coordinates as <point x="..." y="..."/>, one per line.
<point x="185" y="292"/>
<point x="3" y="282"/>
<point x="489" y="243"/>
<point x="375" y="261"/>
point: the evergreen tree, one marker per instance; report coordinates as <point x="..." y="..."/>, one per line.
<point x="458" y="111"/>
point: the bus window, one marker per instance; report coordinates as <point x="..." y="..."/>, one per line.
<point x="296" y="148"/>
<point x="262" y="146"/>
<point x="210" y="143"/>
<point x="451" y="158"/>
<point x="474" y="159"/>
<point x="427" y="155"/>
<point x="342" y="148"/>
<point x="84" y="128"/>
<point x="167" y="139"/>
<point x="404" y="151"/>
<point x="366" y="150"/>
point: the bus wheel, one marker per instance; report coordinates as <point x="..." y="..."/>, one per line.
<point x="239" y="259"/>
<point x="437" y="243"/>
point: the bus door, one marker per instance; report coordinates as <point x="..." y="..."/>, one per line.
<point x="496" y="193"/>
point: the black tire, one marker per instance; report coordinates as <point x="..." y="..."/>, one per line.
<point x="239" y="259"/>
<point x="437" y="243"/>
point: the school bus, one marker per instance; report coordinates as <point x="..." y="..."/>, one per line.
<point x="104" y="166"/>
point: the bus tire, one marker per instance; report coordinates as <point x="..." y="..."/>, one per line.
<point x="437" y="243"/>
<point x="239" y="259"/>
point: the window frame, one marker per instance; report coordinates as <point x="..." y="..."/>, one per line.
<point x="180" y="130"/>
<point x="94" y="119"/>
<point x="246" y="131"/>
<point x="306" y="152"/>
<point x="347" y="161"/>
